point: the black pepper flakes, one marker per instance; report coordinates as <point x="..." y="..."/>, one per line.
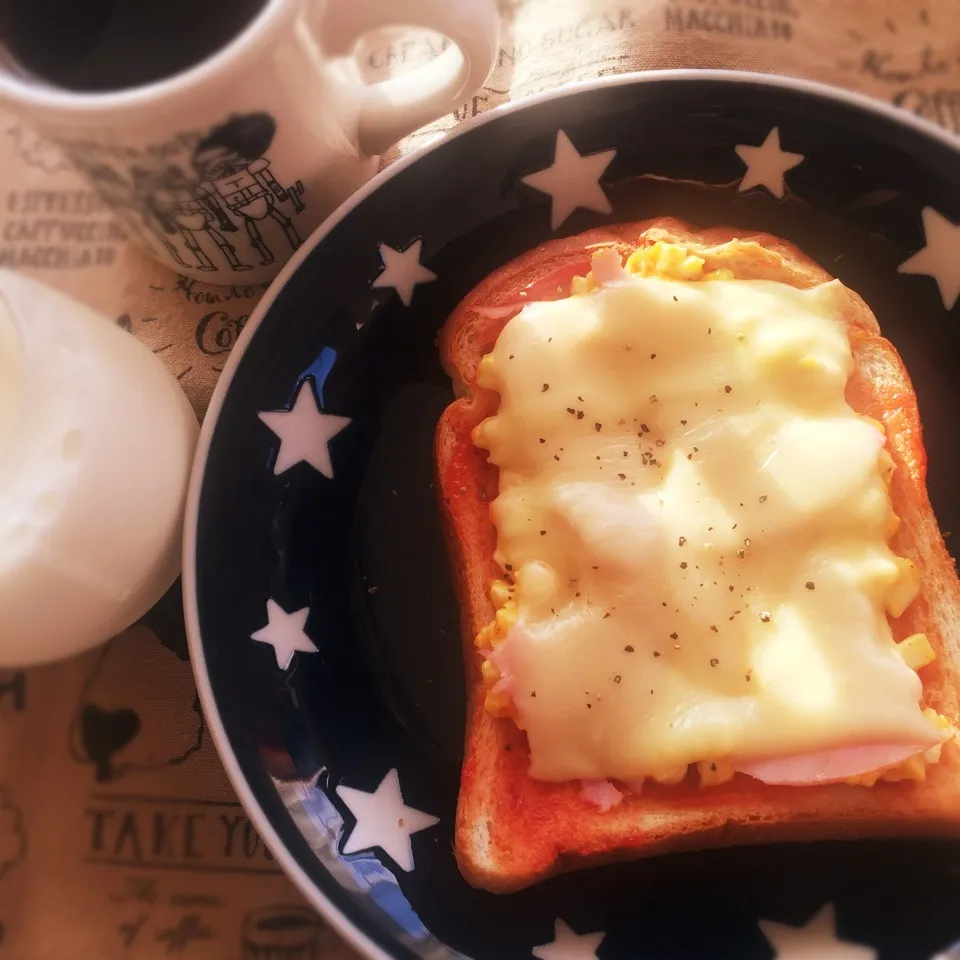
<point x="763" y="498"/>
<point x="674" y="636"/>
<point x="741" y="554"/>
<point x="545" y="388"/>
<point x="656" y="653"/>
<point x="510" y="357"/>
<point x="683" y="564"/>
<point x="653" y="356"/>
<point x="714" y="661"/>
<point x="727" y="389"/>
<point x="683" y="423"/>
<point x="543" y="533"/>
<point x="765" y="616"/>
<point x="628" y="648"/>
<point x="606" y="616"/>
<point x="579" y="414"/>
<point x="589" y="706"/>
<point x="675" y="300"/>
<point x="810" y="585"/>
<point x="571" y="411"/>
<point x="617" y="678"/>
<point x="681" y="541"/>
<point x="714" y="628"/>
<point x="533" y="693"/>
<point x="653" y="398"/>
<point x="598" y="427"/>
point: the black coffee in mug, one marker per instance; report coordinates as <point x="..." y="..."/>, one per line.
<point x="97" y="46"/>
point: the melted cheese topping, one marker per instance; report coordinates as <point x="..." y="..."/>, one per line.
<point x="696" y="525"/>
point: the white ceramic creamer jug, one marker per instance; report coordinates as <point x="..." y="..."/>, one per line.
<point x="96" y="441"/>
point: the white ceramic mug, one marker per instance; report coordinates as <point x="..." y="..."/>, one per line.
<point x="96" y="444"/>
<point x="222" y="169"/>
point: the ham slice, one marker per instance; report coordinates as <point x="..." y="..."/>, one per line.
<point x="554" y="286"/>
<point x="601" y="793"/>
<point x="607" y="267"/>
<point x="498" y="313"/>
<point x="830" y="766"/>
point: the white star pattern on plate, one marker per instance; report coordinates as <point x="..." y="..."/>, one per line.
<point x="383" y="820"/>
<point x="304" y="432"/>
<point x="940" y="258"/>
<point x="572" y="180"/>
<point x="403" y="270"/>
<point x="285" y="633"/>
<point x="568" y="945"/>
<point x="815" y="940"/>
<point x="767" y="164"/>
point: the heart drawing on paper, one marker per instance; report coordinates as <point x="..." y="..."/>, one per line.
<point x="105" y="733"/>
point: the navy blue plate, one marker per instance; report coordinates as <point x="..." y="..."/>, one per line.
<point x="322" y="622"/>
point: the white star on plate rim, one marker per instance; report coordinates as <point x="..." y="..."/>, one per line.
<point x="402" y="270"/>
<point x="572" y="180"/>
<point x="285" y="632"/>
<point x="939" y="258"/>
<point x="814" y="940"/>
<point x="383" y="820"/>
<point x="304" y="432"/>
<point x="569" y="945"/>
<point x="767" y="164"/>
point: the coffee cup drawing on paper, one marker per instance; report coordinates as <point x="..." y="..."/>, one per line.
<point x="209" y="200"/>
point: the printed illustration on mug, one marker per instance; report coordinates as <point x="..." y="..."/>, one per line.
<point x="190" y="197"/>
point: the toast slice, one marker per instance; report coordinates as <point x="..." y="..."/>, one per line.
<point x="511" y="830"/>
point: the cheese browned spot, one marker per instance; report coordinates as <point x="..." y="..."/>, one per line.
<point x="710" y="470"/>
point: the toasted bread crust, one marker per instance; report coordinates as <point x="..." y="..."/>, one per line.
<point x="513" y="831"/>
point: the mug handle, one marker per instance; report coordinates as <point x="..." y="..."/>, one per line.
<point x="391" y="109"/>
